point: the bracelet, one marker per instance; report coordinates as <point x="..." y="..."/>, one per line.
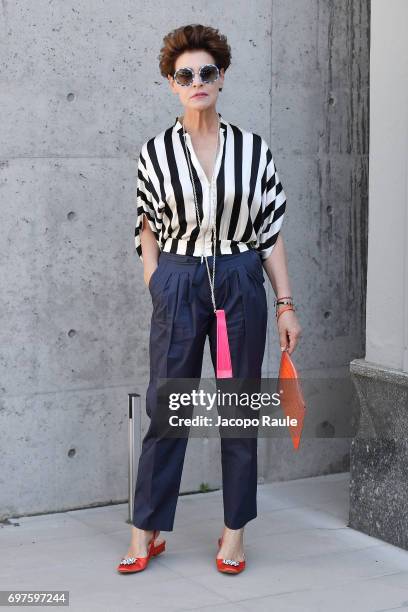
<point x="285" y="303"/>
<point x="278" y="314"/>
<point x="284" y="297"/>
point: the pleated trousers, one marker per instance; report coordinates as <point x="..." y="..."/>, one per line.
<point x="182" y="319"/>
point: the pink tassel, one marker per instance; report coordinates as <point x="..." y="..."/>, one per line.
<point x="224" y="368"/>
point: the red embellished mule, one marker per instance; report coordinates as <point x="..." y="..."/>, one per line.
<point x="130" y="565"/>
<point x="229" y="566"/>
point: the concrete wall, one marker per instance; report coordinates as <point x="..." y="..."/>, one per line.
<point x="80" y="92"/>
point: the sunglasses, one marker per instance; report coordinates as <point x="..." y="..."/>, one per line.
<point x="208" y="73"/>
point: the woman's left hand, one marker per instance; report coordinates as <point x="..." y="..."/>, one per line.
<point x="289" y="330"/>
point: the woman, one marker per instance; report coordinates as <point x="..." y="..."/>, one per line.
<point x="205" y="184"/>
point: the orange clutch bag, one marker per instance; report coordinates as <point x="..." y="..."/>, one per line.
<point x="292" y="401"/>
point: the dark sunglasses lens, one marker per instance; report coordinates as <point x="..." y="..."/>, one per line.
<point x="184" y="77"/>
<point x="209" y="73"/>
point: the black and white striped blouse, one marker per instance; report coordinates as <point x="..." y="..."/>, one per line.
<point x="245" y="192"/>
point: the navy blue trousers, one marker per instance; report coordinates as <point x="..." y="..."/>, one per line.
<point x="182" y="318"/>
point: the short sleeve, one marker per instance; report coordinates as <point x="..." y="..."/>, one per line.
<point x="145" y="203"/>
<point x="273" y="207"/>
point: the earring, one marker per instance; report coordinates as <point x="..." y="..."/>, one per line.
<point x="220" y="89"/>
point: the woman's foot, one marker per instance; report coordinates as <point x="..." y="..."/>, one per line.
<point x="232" y="546"/>
<point x="140" y="539"/>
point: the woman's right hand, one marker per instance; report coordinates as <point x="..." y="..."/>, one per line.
<point x="150" y="250"/>
<point x="148" y="274"/>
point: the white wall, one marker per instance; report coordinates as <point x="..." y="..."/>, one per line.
<point x="387" y="275"/>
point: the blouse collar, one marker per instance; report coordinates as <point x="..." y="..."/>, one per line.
<point x="179" y="126"/>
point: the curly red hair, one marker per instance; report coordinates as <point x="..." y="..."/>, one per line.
<point x="188" y="38"/>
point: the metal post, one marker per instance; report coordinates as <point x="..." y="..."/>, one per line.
<point x="131" y="465"/>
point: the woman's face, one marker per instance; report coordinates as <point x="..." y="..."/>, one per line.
<point x="195" y="59"/>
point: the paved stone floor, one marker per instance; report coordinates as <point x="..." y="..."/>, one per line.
<point x="301" y="556"/>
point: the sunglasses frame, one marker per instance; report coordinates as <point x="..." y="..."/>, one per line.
<point x="199" y="73"/>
